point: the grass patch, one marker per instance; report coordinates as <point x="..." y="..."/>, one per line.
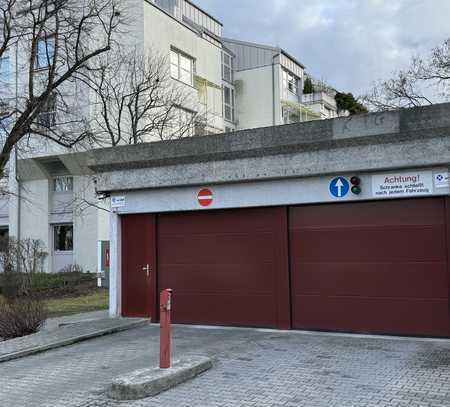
<point x="94" y="301"/>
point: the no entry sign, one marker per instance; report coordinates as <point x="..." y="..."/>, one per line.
<point x="205" y="197"/>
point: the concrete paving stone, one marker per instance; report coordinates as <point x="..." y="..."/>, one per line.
<point x="55" y="337"/>
<point x="255" y="368"/>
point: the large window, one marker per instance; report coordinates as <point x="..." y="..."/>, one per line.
<point x="63" y="238"/>
<point x="45" y="52"/>
<point x="290" y="82"/>
<point x="63" y="184"/>
<point x="227" y="67"/>
<point x="228" y="103"/>
<point x="4" y="68"/>
<point x="181" y="67"/>
<point x="47" y="117"/>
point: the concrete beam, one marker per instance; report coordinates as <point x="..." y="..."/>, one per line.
<point x="377" y="141"/>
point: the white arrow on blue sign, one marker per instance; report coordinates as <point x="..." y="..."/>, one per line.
<point x="339" y="187"/>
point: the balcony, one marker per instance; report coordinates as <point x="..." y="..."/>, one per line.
<point x="319" y="97"/>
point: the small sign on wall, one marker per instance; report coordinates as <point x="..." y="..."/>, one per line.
<point x="402" y="184"/>
<point x="441" y="180"/>
<point x="118" y="201"/>
<point x="205" y="197"/>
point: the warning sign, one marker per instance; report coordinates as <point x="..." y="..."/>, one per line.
<point x="402" y="184"/>
<point x="205" y="197"/>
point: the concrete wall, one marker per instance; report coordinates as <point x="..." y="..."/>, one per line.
<point x="34" y="222"/>
<point x="255" y="97"/>
<point x="281" y="192"/>
<point x="399" y="139"/>
<point x="85" y="224"/>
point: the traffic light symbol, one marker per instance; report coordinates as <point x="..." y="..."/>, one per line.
<point x="356" y="185"/>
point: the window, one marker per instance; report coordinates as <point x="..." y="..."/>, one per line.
<point x="181" y="67"/>
<point x="63" y="184"/>
<point x="47" y="117"/>
<point x="63" y="238"/>
<point x="45" y="51"/>
<point x="290" y="82"/>
<point x="228" y="103"/>
<point x="227" y="67"/>
<point x="6" y="118"/>
<point x="185" y="123"/>
<point x="4" y="68"/>
<point x="4" y="239"/>
<point x="290" y="116"/>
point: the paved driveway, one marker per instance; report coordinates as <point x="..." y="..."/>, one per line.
<point x="255" y="368"/>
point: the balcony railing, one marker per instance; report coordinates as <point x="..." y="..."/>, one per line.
<point x="318" y="97"/>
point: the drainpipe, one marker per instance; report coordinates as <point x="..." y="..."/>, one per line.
<point x="273" y="91"/>
<point x="19" y="188"/>
<point x="19" y="196"/>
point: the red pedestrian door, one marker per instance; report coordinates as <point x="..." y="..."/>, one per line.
<point x="138" y="266"/>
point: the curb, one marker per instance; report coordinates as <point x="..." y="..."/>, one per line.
<point x="70" y="341"/>
<point x="151" y="382"/>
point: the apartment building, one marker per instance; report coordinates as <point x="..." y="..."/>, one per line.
<point x="270" y="76"/>
<point x="233" y="84"/>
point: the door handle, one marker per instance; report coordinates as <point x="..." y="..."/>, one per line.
<point x="146" y="269"/>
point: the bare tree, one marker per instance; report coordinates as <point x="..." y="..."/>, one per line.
<point x="137" y="100"/>
<point x="426" y="81"/>
<point x="51" y="41"/>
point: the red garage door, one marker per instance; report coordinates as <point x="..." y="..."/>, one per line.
<point x="227" y="267"/>
<point x="371" y="267"/>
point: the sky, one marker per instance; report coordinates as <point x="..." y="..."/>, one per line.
<point x="347" y="43"/>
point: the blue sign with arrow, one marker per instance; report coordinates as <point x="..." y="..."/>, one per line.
<point x="339" y="187"/>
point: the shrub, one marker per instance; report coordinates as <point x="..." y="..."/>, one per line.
<point x="21" y="312"/>
<point x="72" y="268"/>
<point x="21" y="260"/>
<point x="59" y="283"/>
<point x="21" y="316"/>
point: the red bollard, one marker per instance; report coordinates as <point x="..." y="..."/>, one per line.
<point x="165" y="305"/>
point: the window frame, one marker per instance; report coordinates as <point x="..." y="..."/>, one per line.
<point x="47" y="118"/>
<point x="177" y="66"/>
<point x="291" y="82"/>
<point x="230" y="106"/>
<point x="46" y="56"/>
<point x="5" y="60"/>
<point x="228" y="66"/>
<point x="62" y="191"/>
<point x="54" y="234"/>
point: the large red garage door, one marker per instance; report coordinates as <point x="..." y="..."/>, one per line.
<point x="371" y="267"/>
<point x="227" y="267"/>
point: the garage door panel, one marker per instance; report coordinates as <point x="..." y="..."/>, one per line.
<point x="419" y="243"/>
<point x="261" y="219"/>
<point x="394" y="213"/>
<point x="193" y="248"/>
<point x="370" y="266"/>
<point x="427" y="280"/>
<point x="400" y="316"/>
<point x="254" y="277"/>
<point x="250" y="310"/>
<point x="226" y="267"/>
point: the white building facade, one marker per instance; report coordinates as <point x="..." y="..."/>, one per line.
<point x="236" y="85"/>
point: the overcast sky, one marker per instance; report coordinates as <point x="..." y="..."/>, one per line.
<point x="348" y="43"/>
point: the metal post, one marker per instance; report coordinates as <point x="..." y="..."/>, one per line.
<point x="165" y="305"/>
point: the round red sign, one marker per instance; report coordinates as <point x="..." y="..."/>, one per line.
<point x="205" y="197"/>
